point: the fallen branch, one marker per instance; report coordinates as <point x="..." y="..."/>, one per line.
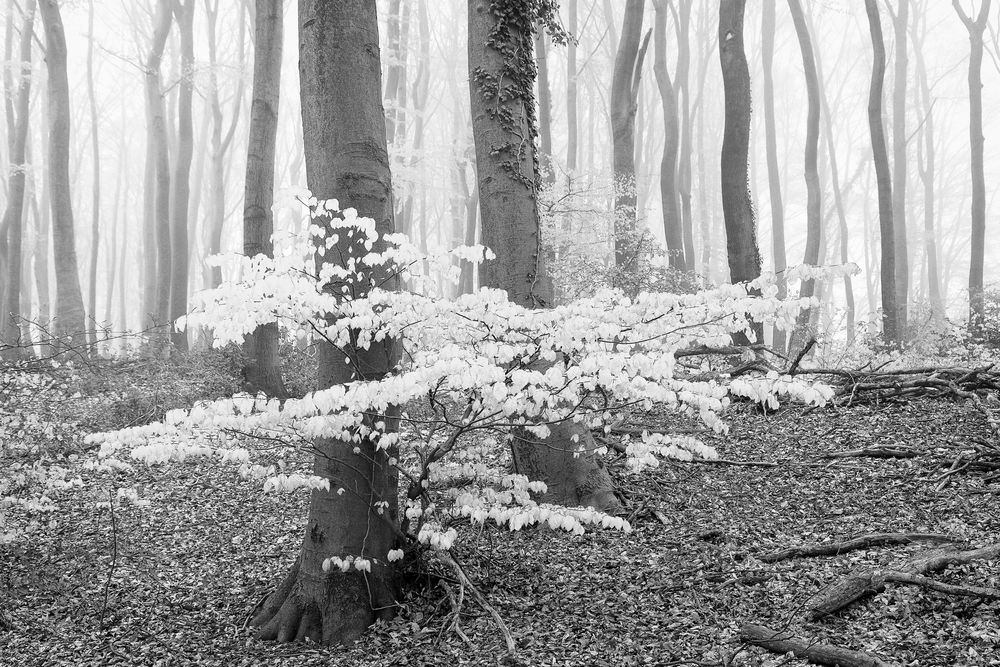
<point x="898" y="577"/>
<point x="867" y="581"/>
<point x="782" y="642"/>
<point x="863" y="542"/>
<point x="727" y="462"/>
<point x="874" y="453"/>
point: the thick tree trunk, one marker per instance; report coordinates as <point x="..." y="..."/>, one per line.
<point x="737" y="205"/>
<point x="890" y="314"/>
<point x="899" y="141"/>
<point x="673" y="229"/>
<point x="70" y="317"/>
<point x="814" y="195"/>
<point x="505" y="167"/>
<point x="773" y="173"/>
<point x="624" y="104"/>
<point x="11" y="345"/>
<point x="346" y="158"/>
<point x="181" y="192"/>
<point x="977" y="309"/>
<point x="261" y="371"/>
<point x="157" y="145"/>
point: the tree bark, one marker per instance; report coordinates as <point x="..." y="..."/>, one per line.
<point x="784" y="642"/>
<point x="890" y="314"/>
<point x="261" y="370"/>
<point x="773" y="172"/>
<point x="11" y="345"/>
<point x="95" y="202"/>
<point x="900" y="21"/>
<point x="673" y="229"/>
<point x="346" y="158"/>
<point x="926" y="167"/>
<point x="505" y="167"/>
<point x="977" y="308"/>
<point x="624" y="104"/>
<point x="737" y="205"/>
<point x="70" y="318"/>
<point x="814" y="203"/>
<point x="181" y="192"/>
<point x="157" y="145"/>
<point x="682" y="19"/>
<point x="572" y="121"/>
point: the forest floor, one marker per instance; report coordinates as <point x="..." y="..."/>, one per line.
<point x="172" y="582"/>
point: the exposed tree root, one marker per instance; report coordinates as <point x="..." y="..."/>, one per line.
<point x="868" y="581"/>
<point x="779" y="641"/>
<point x="466" y="583"/>
<point x="875" y="453"/>
<point x="863" y="542"/>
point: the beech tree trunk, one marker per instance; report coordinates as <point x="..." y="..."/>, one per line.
<point x="11" y="345"/>
<point x="505" y="167"/>
<point x="158" y="146"/>
<point x="926" y="167"/>
<point x="261" y="370"/>
<point x="346" y="158"/>
<point x="181" y="193"/>
<point x="773" y="172"/>
<point x="900" y="22"/>
<point x="70" y="317"/>
<point x="624" y="105"/>
<point x="572" y="122"/>
<point x="977" y="308"/>
<point x="95" y="203"/>
<point x="673" y="229"/>
<point x="883" y="179"/>
<point x="814" y="196"/>
<point x="683" y="25"/>
<point x="737" y="205"/>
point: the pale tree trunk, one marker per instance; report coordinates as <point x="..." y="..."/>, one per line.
<point x="346" y="158"/>
<point x="117" y="242"/>
<point x="220" y="140"/>
<point x="505" y="167"/>
<point x="95" y="202"/>
<point x="883" y="179"/>
<point x="572" y="122"/>
<point x="926" y="167"/>
<point x="43" y="232"/>
<point x="624" y="105"/>
<point x="11" y="345"/>
<point x="70" y="317"/>
<point x="773" y="172"/>
<point x="977" y="308"/>
<point x="814" y="195"/>
<point x="900" y="22"/>
<point x="393" y="76"/>
<point x="838" y="192"/>
<point x="737" y="205"/>
<point x="683" y="21"/>
<point x="673" y="230"/>
<point x="418" y="94"/>
<point x="180" y="183"/>
<point x="544" y="109"/>
<point x="261" y="370"/>
<point x="157" y="145"/>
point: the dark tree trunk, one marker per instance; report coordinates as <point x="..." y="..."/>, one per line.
<point x="505" y="167"/>
<point x="261" y="371"/>
<point x="346" y="158"/>
<point x="157" y="145"/>
<point x="624" y="104"/>
<point x="883" y="178"/>
<point x="673" y="229"/>
<point x="773" y="172"/>
<point x="977" y="308"/>
<point x="814" y="195"/>
<point x="899" y="141"/>
<point x="737" y="205"/>
<point x="10" y="318"/>
<point x="181" y="194"/>
<point x="70" y="318"/>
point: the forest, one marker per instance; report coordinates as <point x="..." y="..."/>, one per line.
<point x="518" y="332"/>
